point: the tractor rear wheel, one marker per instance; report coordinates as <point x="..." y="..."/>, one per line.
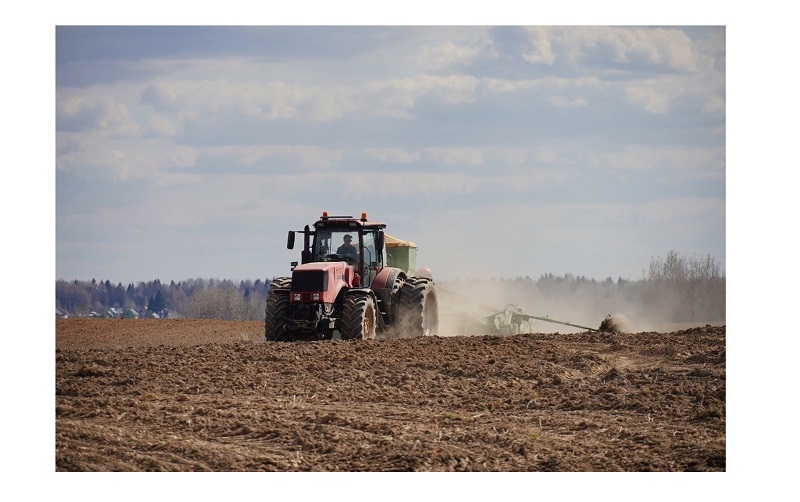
<point x="278" y="309"/>
<point x="359" y="319"/>
<point x="418" y="311"/>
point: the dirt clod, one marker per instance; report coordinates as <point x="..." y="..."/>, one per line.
<point x="609" y="325"/>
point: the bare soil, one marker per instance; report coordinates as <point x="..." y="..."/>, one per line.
<point x="211" y="395"/>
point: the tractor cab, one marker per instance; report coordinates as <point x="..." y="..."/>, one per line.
<point x="358" y="242"/>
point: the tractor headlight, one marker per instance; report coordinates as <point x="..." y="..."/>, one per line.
<point x="315" y="297"/>
<point x="297" y="297"/>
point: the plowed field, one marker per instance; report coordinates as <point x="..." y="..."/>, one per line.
<point x="208" y="395"/>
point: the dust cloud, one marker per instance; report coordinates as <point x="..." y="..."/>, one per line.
<point x="465" y="304"/>
<point x="644" y="305"/>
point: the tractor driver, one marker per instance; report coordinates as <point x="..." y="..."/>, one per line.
<point x="347" y="250"/>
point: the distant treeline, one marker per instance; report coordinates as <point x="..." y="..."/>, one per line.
<point x="194" y="298"/>
<point x="672" y="290"/>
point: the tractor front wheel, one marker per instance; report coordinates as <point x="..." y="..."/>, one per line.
<point x="358" y="317"/>
<point x="278" y="309"/>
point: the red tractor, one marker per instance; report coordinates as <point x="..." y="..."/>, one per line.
<point x="353" y="279"/>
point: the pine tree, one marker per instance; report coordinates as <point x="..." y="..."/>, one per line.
<point x="156" y="303"/>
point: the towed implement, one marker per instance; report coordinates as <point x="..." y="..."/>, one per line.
<point x="512" y="320"/>
<point x="353" y="279"/>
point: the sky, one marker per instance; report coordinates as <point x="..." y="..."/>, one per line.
<point x="502" y="151"/>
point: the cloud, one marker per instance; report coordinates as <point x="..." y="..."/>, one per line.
<point x="393" y="155"/>
<point x="460" y="156"/>
<point x="161" y="125"/>
<point x="523" y="49"/>
<point x="275" y="158"/>
<point x="447" y="55"/>
<point x="263" y="100"/>
<point x="539" y="49"/>
<point x="633" y="48"/>
<point x="648" y="98"/>
<point x="400" y="97"/>
<point x="97" y="156"/>
<point x="92" y="111"/>
<point x="678" y="162"/>
<point x="280" y="100"/>
<point x="163" y="97"/>
<point x="569" y="103"/>
<point x="505" y="86"/>
<point x="714" y="104"/>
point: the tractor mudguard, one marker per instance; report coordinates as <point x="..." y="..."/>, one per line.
<point x="386" y="278"/>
